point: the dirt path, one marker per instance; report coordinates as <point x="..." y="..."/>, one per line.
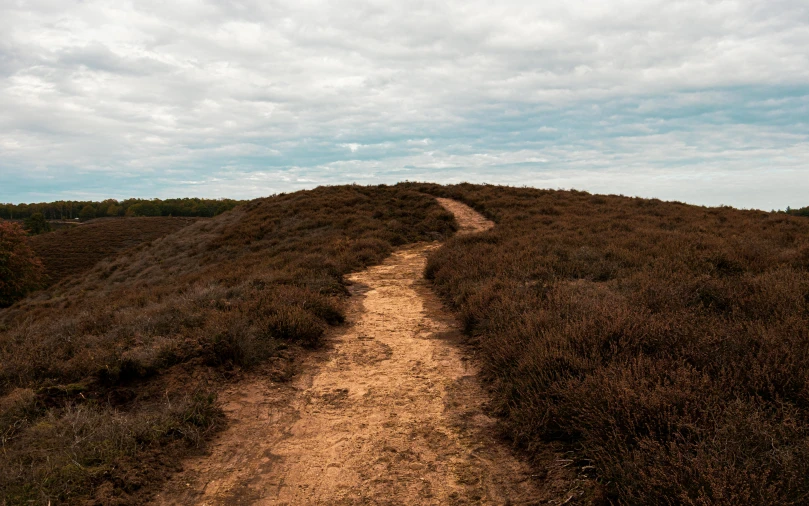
<point x="390" y="414"/>
<point x="470" y="220"/>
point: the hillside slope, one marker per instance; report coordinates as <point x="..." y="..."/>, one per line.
<point x="76" y="249"/>
<point x="107" y="378"/>
<point x="666" y="346"/>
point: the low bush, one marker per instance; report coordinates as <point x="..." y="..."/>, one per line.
<point x="20" y="269"/>
<point x="36" y="224"/>
<point x="175" y="314"/>
<point x="53" y="454"/>
<point x="74" y="250"/>
<point x="665" y="344"/>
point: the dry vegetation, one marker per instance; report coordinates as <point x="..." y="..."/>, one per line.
<point x="106" y="379"/>
<point x="665" y="345"/>
<point x="20" y="271"/>
<point x="73" y="250"/>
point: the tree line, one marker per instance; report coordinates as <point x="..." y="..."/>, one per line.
<point x="803" y="211"/>
<point x="86" y="210"/>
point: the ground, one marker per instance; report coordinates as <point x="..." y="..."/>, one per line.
<point x="389" y="412"/>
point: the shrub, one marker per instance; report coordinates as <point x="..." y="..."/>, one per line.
<point x="666" y="345"/>
<point x="178" y="311"/>
<point x="20" y="271"/>
<point x="74" y="250"/>
<point x="36" y="224"/>
<point x="53" y="457"/>
<point x="87" y="212"/>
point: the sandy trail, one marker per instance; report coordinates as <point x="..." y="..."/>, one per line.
<point x="390" y="413"/>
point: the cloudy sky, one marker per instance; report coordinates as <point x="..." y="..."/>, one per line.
<point x="695" y="100"/>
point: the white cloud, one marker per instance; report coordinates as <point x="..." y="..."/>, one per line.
<point x="205" y="87"/>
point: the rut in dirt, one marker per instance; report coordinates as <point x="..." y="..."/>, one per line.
<point x="391" y="413"/>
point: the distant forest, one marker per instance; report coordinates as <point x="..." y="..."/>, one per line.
<point x="803" y="211"/>
<point x="87" y="210"/>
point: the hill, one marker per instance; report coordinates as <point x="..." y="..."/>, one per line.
<point x="75" y="249"/>
<point x="662" y="348"/>
<point x="665" y="346"/>
<point x="108" y="378"/>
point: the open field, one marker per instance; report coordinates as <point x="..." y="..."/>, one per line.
<point x="665" y="345"/>
<point x="77" y="248"/>
<point x="108" y="378"/>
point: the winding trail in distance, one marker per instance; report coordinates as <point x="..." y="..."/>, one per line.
<point x="391" y="412"/>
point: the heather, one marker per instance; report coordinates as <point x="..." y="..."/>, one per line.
<point x="20" y="269"/>
<point x="76" y="249"/>
<point x="665" y="346"/>
<point x="108" y="378"/>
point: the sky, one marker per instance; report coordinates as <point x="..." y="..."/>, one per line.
<point x="699" y="101"/>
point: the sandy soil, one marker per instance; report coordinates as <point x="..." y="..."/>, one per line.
<point x="390" y="413"/>
<point x="470" y="220"/>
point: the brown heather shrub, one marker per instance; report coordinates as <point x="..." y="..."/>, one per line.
<point x="76" y="249"/>
<point x="87" y="445"/>
<point x="20" y="270"/>
<point x="665" y="344"/>
<point x="106" y="379"/>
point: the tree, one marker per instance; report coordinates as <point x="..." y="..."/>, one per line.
<point x="145" y="208"/>
<point x="87" y="212"/>
<point x="37" y="224"/>
<point x="113" y="210"/>
<point x="20" y="270"/>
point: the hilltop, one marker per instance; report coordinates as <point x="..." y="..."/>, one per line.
<point x="647" y="352"/>
<point x="664" y="345"/>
